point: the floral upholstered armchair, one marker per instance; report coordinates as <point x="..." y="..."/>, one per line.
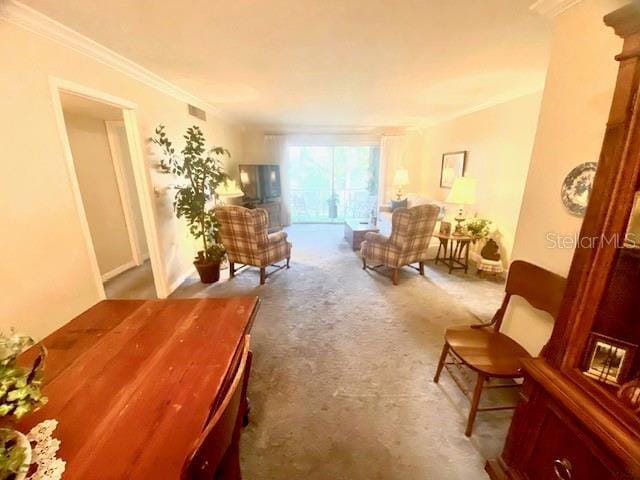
<point x="243" y="233"/>
<point x="411" y="231"/>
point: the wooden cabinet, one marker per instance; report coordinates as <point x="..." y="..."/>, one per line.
<point x="558" y="450"/>
<point x="548" y="438"/>
<point x="571" y="423"/>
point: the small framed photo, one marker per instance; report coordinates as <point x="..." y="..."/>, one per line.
<point x="453" y="166"/>
<point x="608" y="359"/>
<point x="445" y="228"/>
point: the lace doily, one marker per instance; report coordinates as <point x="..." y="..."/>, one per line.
<point x="43" y="452"/>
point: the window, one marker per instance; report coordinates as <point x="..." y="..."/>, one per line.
<point x="333" y="183"/>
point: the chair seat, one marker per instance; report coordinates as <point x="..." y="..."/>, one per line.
<point x="486" y="351"/>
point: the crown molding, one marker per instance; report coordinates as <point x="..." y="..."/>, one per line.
<point x="26" y="17"/>
<point x="318" y="130"/>
<point x="393" y="130"/>
<point x="552" y="8"/>
<point x="494" y="102"/>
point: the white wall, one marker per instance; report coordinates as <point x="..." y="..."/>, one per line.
<point x="256" y="150"/>
<point x="99" y="188"/>
<point x="499" y="142"/>
<point x="498" y="139"/>
<point x="46" y="275"/>
<point x="403" y="150"/>
<point x="513" y="159"/>
<point x="573" y="116"/>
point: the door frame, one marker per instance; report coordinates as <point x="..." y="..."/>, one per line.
<point x="142" y="178"/>
<point x="123" y="189"/>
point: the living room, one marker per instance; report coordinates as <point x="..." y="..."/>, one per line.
<point x="280" y="183"/>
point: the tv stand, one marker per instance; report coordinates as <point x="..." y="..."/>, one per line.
<point x="273" y="209"/>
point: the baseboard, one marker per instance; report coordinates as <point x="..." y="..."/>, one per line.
<point x="144" y="258"/>
<point x="181" y="278"/>
<point x="117" y="271"/>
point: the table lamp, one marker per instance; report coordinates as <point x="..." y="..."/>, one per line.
<point x="463" y="193"/>
<point x="400" y="179"/>
<point x="228" y="190"/>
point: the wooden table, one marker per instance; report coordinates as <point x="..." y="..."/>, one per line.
<point x="133" y="382"/>
<point x="355" y="230"/>
<point x="456" y="251"/>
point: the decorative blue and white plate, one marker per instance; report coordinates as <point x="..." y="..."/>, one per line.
<point x="576" y="188"/>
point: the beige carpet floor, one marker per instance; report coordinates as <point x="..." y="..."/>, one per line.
<point x="341" y="385"/>
<point x="134" y="283"/>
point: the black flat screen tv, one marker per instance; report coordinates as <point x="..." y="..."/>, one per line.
<point x="260" y="183"/>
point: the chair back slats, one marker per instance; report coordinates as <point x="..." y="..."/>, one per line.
<point x="222" y="431"/>
<point x="541" y="288"/>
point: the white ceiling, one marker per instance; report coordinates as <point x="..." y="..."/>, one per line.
<point x="333" y="63"/>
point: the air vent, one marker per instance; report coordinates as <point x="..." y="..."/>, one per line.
<point x="198" y="113"/>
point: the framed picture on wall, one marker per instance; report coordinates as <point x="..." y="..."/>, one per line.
<point x="453" y="165"/>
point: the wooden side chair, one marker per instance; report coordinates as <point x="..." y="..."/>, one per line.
<point x="490" y="353"/>
<point x="216" y="454"/>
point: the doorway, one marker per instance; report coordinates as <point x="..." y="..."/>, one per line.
<point x="330" y="184"/>
<point x="103" y="168"/>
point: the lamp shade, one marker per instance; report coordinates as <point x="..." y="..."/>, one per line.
<point x="229" y="189"/>
<point x="401" y="177"/>
<point x="463" y="191"/>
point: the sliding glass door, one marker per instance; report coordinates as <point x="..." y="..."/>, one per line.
<point x="332" y="183"/>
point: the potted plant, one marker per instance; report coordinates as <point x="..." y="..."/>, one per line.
<point x="332" y="202"/>
<point x="477" y="228"/>
<point x="201" y="170"/>
<point x="19" y="394"/>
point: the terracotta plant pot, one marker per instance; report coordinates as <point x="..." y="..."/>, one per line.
<point x="209" y="272"/>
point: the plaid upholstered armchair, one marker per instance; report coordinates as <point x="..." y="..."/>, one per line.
<point x="244" y="235"/>
<point x="411" y="231"/>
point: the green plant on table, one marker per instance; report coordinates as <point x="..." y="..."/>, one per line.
<point x="19" y="394"/>
<point x="12" y="455"/>
<point x="477" y="228"/>
<point x="19" y="386"/>
<point x="201" y="169"/>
